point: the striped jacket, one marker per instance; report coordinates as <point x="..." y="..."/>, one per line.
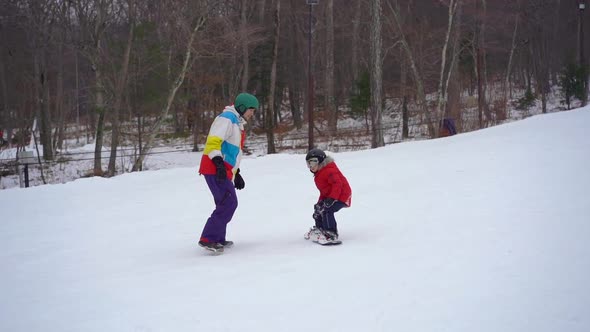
<point x="226" y="139"/>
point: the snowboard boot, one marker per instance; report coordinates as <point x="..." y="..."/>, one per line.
<point x="312" y="234"/>
<point x="327" y="237"/>
<point x="227" y="244"/>
<point x="212" y="246"/>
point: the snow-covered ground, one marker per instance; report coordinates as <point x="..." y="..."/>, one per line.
<point x="485" y="231"/>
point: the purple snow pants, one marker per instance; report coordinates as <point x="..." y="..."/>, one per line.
<point x="226" y="202"/>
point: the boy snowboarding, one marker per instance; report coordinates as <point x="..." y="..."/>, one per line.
<point x="335" y="194"/>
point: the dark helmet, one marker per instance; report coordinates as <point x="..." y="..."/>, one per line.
<point x="244" y="101"/>
<point x="316" y="153"/>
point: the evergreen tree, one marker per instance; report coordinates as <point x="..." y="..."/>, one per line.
<point x="573" y="83"/>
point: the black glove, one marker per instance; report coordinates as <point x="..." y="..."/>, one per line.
<point x="221" y="174"/>
<point x="239" y="181"/>
<point x="328" y="202"/>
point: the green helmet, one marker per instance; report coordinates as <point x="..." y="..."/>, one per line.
<point x="244" y="101"/>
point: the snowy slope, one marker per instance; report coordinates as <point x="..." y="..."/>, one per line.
<point x="485" y="231"/>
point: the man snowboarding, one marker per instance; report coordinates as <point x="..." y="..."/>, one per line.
<point x="220" y="164"/>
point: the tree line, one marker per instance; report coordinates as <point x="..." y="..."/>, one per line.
<point x="122" y="69"/>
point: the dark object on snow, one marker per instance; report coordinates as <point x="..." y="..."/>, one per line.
<point x="447" y="128"/>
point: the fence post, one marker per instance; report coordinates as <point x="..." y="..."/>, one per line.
<point x="26" y="158"/>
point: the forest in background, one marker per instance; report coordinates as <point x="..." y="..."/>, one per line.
<point x="128" y="72"/>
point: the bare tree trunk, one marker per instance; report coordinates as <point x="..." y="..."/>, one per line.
<point x="60" y="110"/>
<point x="43" y="103"/>
<point x="119" y="88"/>
<point x="77" y="97"/>
<point x="445" y="74"/>
<point x="555" y="65"/>
<point x="480" y="66"/>
<point x="294" y="79"/>
<point x="453" y="108"/>
<point x="259" y="70"/>
<point x="480" y="93"/>
<point x="261" y="10"/>
<point x="4" y="113"/>
<point x="329" y="101"/>
<point x="98" y="30"/>
<point x="541" y="66"/>
<point x="356" y="23"/>
<point x="509" y="68"/>
<point x="376" y="76"/>
<point x="404" y="96"/>
<point x="273" y="82"/>
<point x="200" y="22"/>
<point x="244" y="41"/>
<point x="484" y="59"/>
<point x="140" y="129"/>
<point x="39" y="17"/>
<point x="59" y="100"/>
<point x="38" y="155"/>
<point x="422" y="103"/>
<point x="99" y="137"/>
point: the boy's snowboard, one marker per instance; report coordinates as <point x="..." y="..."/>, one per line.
<point x="314" y="236"/>
<point x="331" y="243"/>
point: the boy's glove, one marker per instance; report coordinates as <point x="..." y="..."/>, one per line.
<point x="220" y="166"/>
<point x="328" y="202"/>
<point x="239" y="181"/>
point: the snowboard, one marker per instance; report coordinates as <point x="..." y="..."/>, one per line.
<point x="219" y="251"/>
<point x="212" y="252"/>
<point x="308" y="235"/>
<point x="333" y="243"/>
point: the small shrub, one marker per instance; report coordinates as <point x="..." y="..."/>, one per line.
<point x="361" y="100"/>
<point x="572" y="82"/>
<point x="526" y="101"/>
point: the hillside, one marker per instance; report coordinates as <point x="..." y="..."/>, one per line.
<point x="485" y="231"/>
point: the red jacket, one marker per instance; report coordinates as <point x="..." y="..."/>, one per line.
<point x="332" y="184"/>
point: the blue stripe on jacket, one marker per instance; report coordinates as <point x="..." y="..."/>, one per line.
<point x="232" y="117"/>
<point x="230" y="152"/>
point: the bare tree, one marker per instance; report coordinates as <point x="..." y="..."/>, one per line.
<point x="479" y="55"/>
<point x="40" y="16"/>
<point x="92" y="19"/>
<point x="510" y="61"/>
<point x="376" y="76"/>
<point x="294" y="78"/>
<point x="61" y="18"/>
<point x="404" y="96"/>
<point x="412" y="61"/>
<point x="244" y="42"/>
<point x="329" y="100"/>
<point x="269" y="123"/>
<point x="453" y="107"/>
<point x="446" y="48"/>
<point x="120" y="85"/>
<point x="356" y="24"/>
<point x="199" y="22"/>
<point x="446" y="70"/>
